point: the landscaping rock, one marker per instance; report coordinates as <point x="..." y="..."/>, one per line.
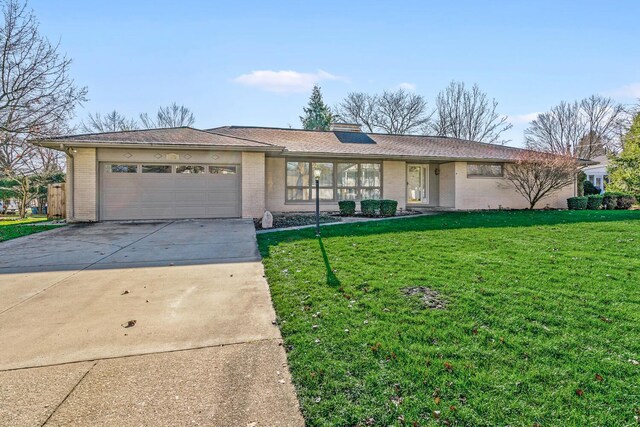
<point x="267" y="220"/>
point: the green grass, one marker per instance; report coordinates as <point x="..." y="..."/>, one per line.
<point x="542" y="321"/>
<point x="15" y="227"/>
<point x="14" y="220"/>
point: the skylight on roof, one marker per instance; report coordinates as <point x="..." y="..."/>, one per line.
<point x="353" y="138"/>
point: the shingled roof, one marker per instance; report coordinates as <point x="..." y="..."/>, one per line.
<point x="180" y="136"/>
<point x="306" y="142"/>
<point x="299" y="142"/>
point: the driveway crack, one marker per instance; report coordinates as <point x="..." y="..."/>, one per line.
<point x="68" y="394"/>
<point x="83" y="269"/>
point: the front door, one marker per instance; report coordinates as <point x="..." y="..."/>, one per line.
<point x="418" y="184"/>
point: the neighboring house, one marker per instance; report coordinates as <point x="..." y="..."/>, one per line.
<point x="238" y="171"/>
<point x="8" y="206"/>
<point x="597" y="174"/>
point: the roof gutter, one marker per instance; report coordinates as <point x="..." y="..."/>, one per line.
<point x="407" y="157"/>
<point x="287" y="153"/>
<point x="60" y="146"/>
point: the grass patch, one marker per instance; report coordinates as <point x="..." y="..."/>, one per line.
<point x="541" y="323"/>
<point x="12" y="228"/>
<point x="16" y="220"/>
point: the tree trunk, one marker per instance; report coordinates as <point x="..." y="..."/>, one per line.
<point x="22" y="209"/>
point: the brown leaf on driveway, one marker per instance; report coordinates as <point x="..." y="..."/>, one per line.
<point x="125" y="292"/>
<point x="129" y="324"/>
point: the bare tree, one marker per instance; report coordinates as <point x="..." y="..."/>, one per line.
<point x="111" y="122"/>
<point x="468" y="114"/>
<point x="359" y="107"/>
<point x="37" y="99"/>
<point x="401" y="112"/>
<point x="584" y="129"/>
<point x="37" y="92"/>
<point x="537" y="175"/>
<point x="395" y="112"/>
<point x="173" y="115"/>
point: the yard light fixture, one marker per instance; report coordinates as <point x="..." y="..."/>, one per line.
<point x="318" y="205"/>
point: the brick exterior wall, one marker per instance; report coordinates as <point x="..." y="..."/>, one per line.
<point x="253" y="185"/>
<point x="84" y="185"/>
<point x="493" y="193"/>
<point x="394" y="182"/>
<point x="447" y="184"/>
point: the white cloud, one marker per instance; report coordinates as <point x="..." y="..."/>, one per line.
<point x="284" y="81"/>
<point x="626" y="92"/>
<point x="523" y="118"/>
<point x="407" y="86"/>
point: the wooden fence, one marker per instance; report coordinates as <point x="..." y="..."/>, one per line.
<point x="56" y="201"/>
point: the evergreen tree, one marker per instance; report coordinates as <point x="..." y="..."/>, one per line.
<point x="624" y="169"/>
<point x="317" y="115"/>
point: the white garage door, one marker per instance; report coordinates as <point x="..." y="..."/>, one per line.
<point x="168" y="191"/>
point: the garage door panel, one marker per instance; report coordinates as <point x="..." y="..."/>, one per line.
<point x="168" y="196"/>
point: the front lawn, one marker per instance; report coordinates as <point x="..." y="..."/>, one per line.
<point x="11" y="228"/>
<point x="540" y="326"/>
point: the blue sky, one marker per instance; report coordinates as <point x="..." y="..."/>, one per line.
<point x="253" y="62"/>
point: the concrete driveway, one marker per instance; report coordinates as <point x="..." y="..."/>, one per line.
<point x="163" y="323"/>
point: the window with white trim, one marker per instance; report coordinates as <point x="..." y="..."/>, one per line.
<point x="337" y="181"/>
<point x="484" y="170"/>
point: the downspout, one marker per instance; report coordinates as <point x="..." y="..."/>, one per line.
<point x="71" y="210"/>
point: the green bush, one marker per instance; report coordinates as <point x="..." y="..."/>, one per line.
<point x="577" y="203"/>
<point x="594" y="201"/>
<point x="388" y="207"/>
<point x="625" y="201"/>
<point x="621" y="201"/>
<point x="370" y="207"/>
<point x="589" y="188"/>
<point x="609" y="201"/>
<point x="347" y="207"/>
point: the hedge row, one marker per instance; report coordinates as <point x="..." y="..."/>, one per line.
<point x="369" y="207"/>
<point x="607" y="201"/>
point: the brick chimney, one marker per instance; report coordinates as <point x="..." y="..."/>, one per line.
<point x="345" y="127"/>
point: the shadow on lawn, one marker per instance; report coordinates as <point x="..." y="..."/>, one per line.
<point x="445" y="221"/>
<point x="332" y="280"/>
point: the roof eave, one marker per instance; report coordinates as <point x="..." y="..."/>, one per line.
<point x="61" y="144"/>
<point x="440" y="159"/>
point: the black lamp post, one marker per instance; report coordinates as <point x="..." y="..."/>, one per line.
<point x="317" y="206"/>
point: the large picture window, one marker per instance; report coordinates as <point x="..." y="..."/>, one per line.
<point x="337" y="181"/>
<point x="484" y="170"/>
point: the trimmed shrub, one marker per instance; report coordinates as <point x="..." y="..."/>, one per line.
<point x="594" y="201"/>
<point x="625" y="201"/>
<point x="609" y="201"/>
<point x="577" y="203"/>
<point x="388" y="207"/>
<point x="370" y="207"/>
<point x="347" y="207"/>
<point x="589" y="188"/>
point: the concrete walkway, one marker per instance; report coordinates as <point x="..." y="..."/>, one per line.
<point x="200" y="349"/>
